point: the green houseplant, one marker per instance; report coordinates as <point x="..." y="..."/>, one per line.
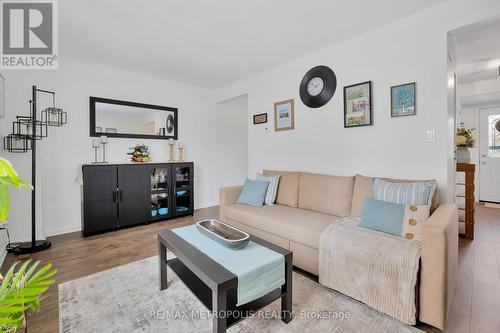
<point x="20" y="288"/>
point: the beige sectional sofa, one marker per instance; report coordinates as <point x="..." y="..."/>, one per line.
<point x="307" y="203"/>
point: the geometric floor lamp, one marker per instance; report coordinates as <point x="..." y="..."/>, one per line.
<point x="26" y="132"/>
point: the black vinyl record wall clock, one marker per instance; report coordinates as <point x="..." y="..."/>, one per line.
<point x="170" y="124"/>
<point x="318" y="86"/>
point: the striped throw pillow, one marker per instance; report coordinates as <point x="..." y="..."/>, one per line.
<point x="272" y="189"/>
<point x="418" y="193"/>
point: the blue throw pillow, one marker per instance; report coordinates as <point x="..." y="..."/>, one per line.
<point x="383" y="216"/>
<point x="253" y="193"/>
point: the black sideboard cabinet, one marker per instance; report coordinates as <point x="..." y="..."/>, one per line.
<point x="122" y="195"/>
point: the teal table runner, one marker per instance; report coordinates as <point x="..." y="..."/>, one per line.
<point x="259" y="269"/>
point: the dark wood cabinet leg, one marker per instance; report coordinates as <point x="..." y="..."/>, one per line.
<point x="286" y="290"/>
<point x="162" y="262"/>
<point x="219" y="310"/>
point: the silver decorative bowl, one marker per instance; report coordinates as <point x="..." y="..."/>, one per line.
<point x="224" y="233"/>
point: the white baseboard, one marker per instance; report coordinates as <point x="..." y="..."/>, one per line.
<point x="3" y="254"/>
<point x="65" y="230"/>
<point x="60" y="231"/>
<point x="3" y="243"/>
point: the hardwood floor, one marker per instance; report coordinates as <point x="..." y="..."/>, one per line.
<point x="74" y="256"/>
<point x="476" y="302"/>
<point x="475" y="306"/>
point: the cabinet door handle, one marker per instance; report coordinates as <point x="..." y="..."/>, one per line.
<point x="114" y="196"/>
<point x="120" y="195"/>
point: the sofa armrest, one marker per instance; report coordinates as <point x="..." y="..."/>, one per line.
<point x="438" y="265"/>
<point x="229" y="195"/>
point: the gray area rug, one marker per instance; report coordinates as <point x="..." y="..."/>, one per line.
<point x="127" y="299"/>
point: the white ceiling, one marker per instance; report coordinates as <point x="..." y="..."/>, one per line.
<point x="215" y="43"/>
<point x="478" y="52"/>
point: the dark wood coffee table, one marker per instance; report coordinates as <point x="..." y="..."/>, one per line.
<point x="215" y="286"/>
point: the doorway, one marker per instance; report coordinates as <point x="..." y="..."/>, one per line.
<point x="477" y="64"/>
<point x="489" y="148"/>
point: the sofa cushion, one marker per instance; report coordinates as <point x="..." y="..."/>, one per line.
<point x="415" y="193"/>
<point x="288" y="187"/>
<point x="435" y="197"/>
<point x="383" y="216"/>
<point x="272" y="189"/>
<point x="298" y="225"/>
<point x="363" y="187"/>
<point x="326" y="194"/>
<point x="253" y="192"/>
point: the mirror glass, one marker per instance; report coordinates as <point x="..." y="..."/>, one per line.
<point x="127" y="119"/>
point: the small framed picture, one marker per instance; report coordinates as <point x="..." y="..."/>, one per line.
<point x="358" y="105"/>
<point x="260" y="118"/>
<point x="161" y="131"/>
<point x="403" y="100"/>
<point x="284" y="118"/>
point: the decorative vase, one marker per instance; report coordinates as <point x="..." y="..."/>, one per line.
<point x="171" y="150"/>
<point x="463" y="154"/>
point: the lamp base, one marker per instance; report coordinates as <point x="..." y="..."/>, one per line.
<point x="29" y="247"/>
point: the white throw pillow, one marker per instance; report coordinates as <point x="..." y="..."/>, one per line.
<point x="272" y="189"/>
<point x="414" y="218"/>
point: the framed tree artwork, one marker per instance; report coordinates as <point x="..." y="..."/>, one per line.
<point x="284" y="118"/>
<point x="403" y="100"/>
<point x="358" y="105"/>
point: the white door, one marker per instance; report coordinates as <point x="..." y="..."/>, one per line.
<point x="489" y="167"/>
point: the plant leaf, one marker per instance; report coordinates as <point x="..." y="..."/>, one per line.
<point x="4" y="202"/>
<point x="20" y="293"/>
<point x="7" y="171"/>
<point x="11" y="309"/>
<point x="8" y="177"/>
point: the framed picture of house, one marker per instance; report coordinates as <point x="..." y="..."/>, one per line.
<point x="403" y="100"/>
<point x="260" y="118"/>
<point x="358" y="105"/>
<point x="284" y="118"/>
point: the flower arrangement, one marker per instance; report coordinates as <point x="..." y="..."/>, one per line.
<point x="464" y="137"/>
<point x="140" y="153"/>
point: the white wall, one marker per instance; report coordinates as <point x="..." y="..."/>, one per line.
<point x="411" y="49"/>
<point x="214" y="135"/>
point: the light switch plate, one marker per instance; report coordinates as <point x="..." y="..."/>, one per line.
<point x="430" y="136"/>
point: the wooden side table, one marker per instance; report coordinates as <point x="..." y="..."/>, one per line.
<point x="465" y="197"/>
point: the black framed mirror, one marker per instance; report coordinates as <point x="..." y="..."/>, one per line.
<point x="122" y="119"/>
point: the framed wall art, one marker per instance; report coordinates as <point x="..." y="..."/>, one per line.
<point x="403" y="100"/>
<point x="284" y="118"/>
<point x="260" y="118"/>
<point x="358" y="105"/>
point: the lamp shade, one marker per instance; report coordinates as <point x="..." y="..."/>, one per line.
<point x="27" y="128"/>
<point x="53" y="116"/>
<point x="16" y="144"/>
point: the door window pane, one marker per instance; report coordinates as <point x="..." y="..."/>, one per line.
<point x="494" y="136"/>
